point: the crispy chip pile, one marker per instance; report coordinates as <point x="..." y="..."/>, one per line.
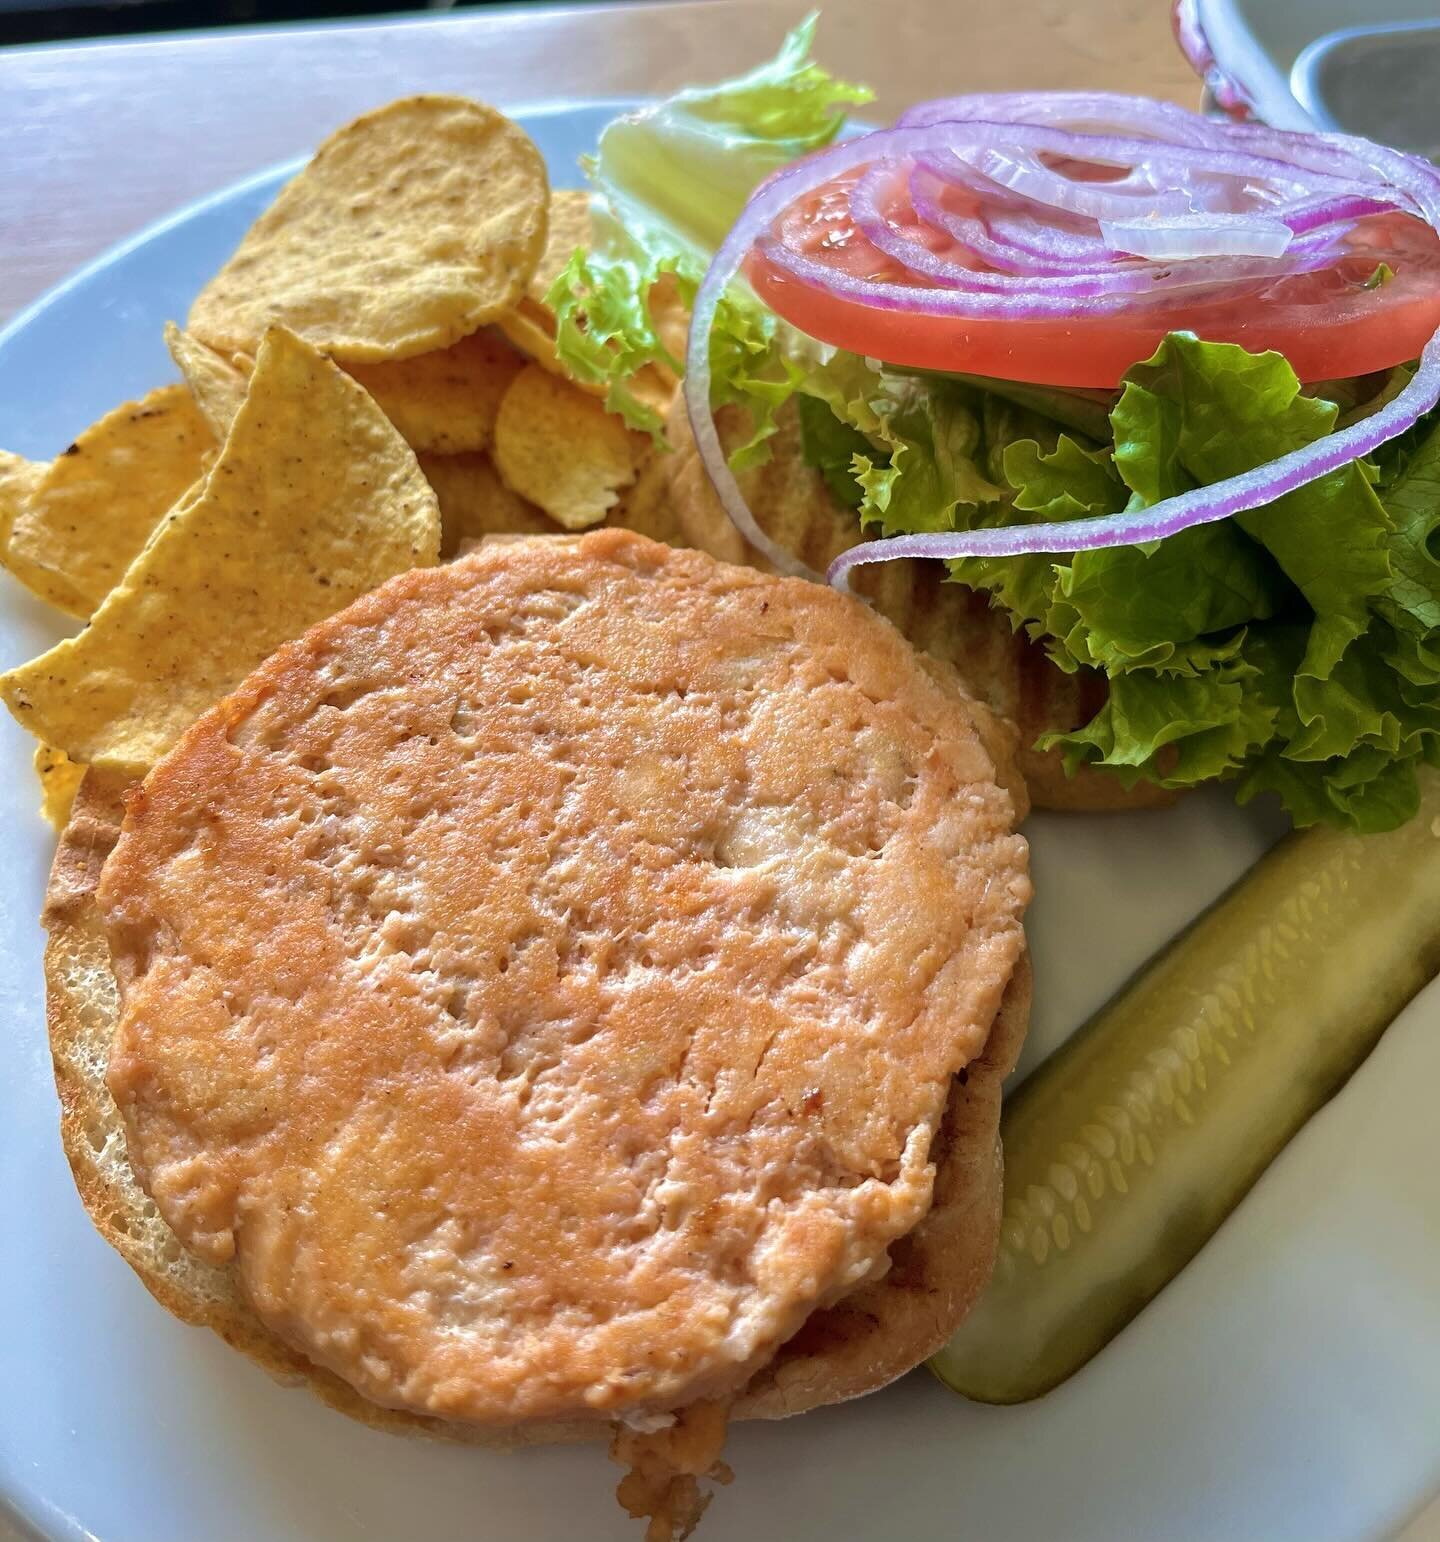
<point x="562" y="450"/>
<point x="314" y="500"/>
<point x="445" y="401"/>
<point x="206" y="524"/>
<point x="94" y="509"/>
<point x="217" y="385"/>
<point x="411" y="227"/>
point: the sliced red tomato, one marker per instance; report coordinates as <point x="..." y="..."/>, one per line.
<point x="1329" y="325"/>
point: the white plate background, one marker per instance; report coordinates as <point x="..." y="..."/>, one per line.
<point x="1286" y="1386"/>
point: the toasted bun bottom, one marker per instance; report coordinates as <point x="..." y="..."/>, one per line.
<point x="864" y="1341"/>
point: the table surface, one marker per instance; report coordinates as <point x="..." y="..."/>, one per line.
<point x="102" y="138"/>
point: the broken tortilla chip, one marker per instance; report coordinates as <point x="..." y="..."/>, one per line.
<point x="560" y="449"/>
<point x="314" y="500"/>
<point x="569" y="228"/>
<point x="531" y="325"/>
<point x="445" y="401"/>
<point x="474" y="502"/>
<point x="18" y="480"/>
<point x="411" y="227"/>
<point x="60" y="778"/>
<point x="97" y="503"/>
<point x="531" y="329"/>
<point x="217" y="385"/>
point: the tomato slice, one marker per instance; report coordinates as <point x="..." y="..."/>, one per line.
<point x="1329" y="324"/>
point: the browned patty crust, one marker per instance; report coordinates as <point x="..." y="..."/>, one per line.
<point x="545" y="978"/>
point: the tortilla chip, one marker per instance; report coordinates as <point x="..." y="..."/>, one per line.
<point x="474" y="502"/>
<point x="60" y="778"/>
<point x="18" y="480"/>
<point x="531" y="325"/>
<point x="531" y="329"/>
<point x="314" y="500"/>
<point x="412" y="227"/>
<point x="445" y="401"/>
<point x="475" y="505"/>
<point x="217" y="385"/>
<point x="569" y="227"/>
<point x="560" y="449"/>
<point x="95" y="507"/>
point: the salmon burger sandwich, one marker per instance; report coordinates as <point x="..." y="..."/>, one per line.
<point x="564" y="994"/>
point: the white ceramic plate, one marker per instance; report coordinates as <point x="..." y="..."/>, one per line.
<point x="1286" y="1386"/>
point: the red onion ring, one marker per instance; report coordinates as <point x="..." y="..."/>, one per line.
<point x="1321" y="183"/>
<point x="1024" y="278"/>
<point x="1082" y="110"/>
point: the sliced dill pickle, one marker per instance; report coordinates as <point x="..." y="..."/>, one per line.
<point x="1128" y="1147"/>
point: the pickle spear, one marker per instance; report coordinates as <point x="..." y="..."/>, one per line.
<point x="1129" y="1146"/>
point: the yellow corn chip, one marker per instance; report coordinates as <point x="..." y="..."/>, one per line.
<point x="216" y="384"/>
<point x="445" y="401"/>
<point x="314" y="500"/>
<point x="59" y="777"/>
<point x="411" y="227"/>
<point x="475" y="505"/>
<point x="560" y="449"/>
<point x="531" y="328"/>
<point x="18" y="480"/>
<point x="474" y="502"/>
<point x="96" y="505"/>
<point x="569" y="227"/>
<point x="531" y="325"/>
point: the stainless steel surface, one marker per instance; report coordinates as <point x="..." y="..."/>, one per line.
<point x="1376" y="81"/>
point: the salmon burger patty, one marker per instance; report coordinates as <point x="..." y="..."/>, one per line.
<point x="544" y="979"/>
